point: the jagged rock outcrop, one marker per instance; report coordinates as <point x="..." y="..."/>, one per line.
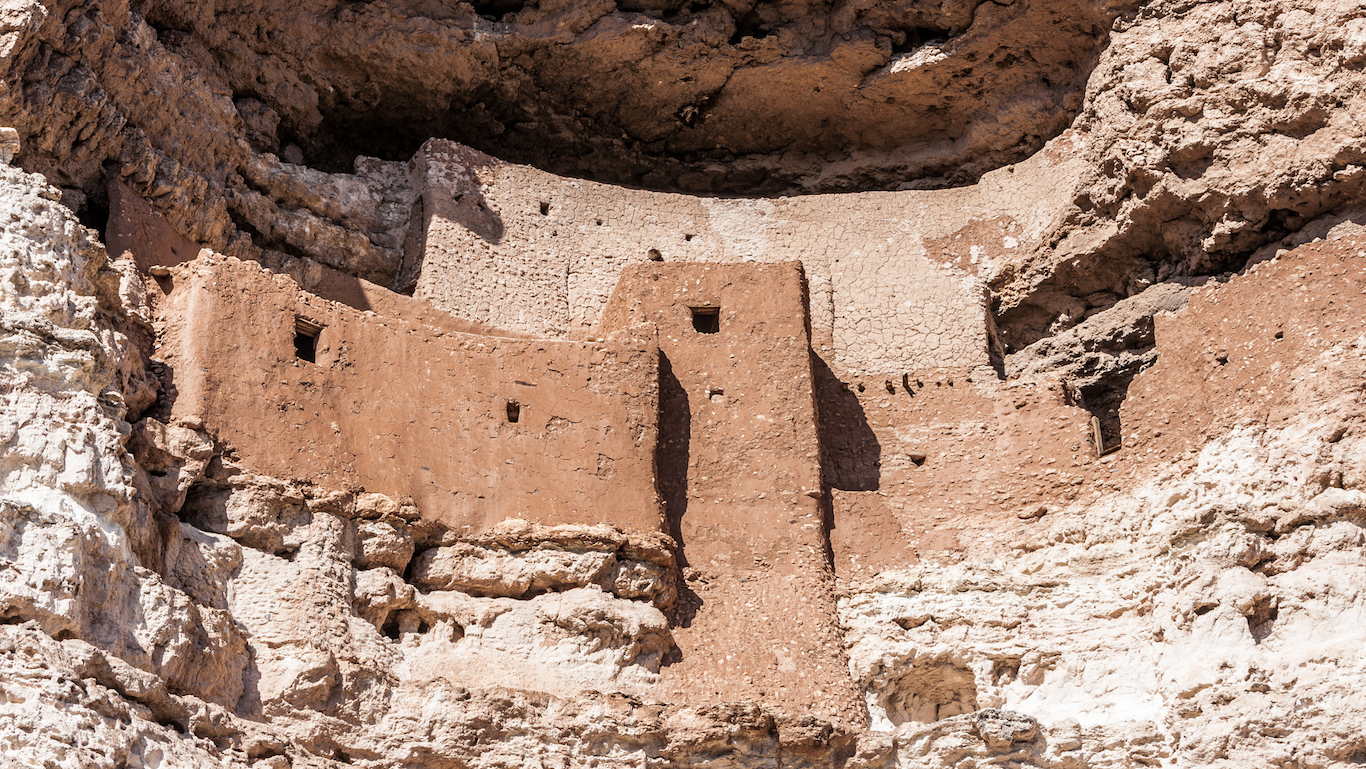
<point x="1099" y="357"/>
<point x="1208" y="132"/>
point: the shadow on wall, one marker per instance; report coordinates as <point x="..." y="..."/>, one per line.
<point x="851" y="456"/>
<point x="471" y="211"/>
<point x="671" y="468"/>
<point x="414" y="246"/>
<point x="461" y="200"/>
<point x="452" y="189"/>
<point x="671" y="451"/>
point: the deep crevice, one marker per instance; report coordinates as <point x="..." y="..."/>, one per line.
<point x="753" y="24"/>
<point x="915" y="37"/>
<point x="1104" y="396"/>
<point x="95" y="212"/>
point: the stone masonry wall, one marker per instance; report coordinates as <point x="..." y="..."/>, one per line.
<point x="526" y="250"/>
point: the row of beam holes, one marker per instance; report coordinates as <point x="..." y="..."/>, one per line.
<point x="905" y="384"/>
<point x="654" y="254"/>
<point x="917" y="458"/>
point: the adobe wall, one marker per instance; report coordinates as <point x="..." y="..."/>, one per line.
<point x="740" y="473"/>
<point x="934" y="469"/>
<point x="931" y="464"/>
<point x="405" y="408"/>
<point x="1255" y="351"/>
<point x="893" y="278"/>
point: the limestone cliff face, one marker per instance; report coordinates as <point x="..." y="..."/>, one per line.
<point x="1145" y="221"/>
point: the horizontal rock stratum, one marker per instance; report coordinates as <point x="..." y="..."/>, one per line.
<point x="882" y="385"/>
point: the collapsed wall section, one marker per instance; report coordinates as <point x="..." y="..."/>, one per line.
<point x="475" y="428"/>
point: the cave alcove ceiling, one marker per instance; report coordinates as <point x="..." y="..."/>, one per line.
<point x="724" y="98"/>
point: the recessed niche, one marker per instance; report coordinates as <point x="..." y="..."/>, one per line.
<point x="514" y="410"/>
<point x="706" y="320"/>
<point x="545" y="209"/>
<point x="306" y="339"/>
<point x="654" y="255"/>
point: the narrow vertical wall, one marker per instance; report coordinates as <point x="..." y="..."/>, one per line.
<point x="740" y="474"/>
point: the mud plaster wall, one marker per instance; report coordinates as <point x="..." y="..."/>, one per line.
<point x="519" y="248"/>
<point x="1252" y="352"/>
<point x="943" y="457"/>
<point x="1241" y="355"/>
<point x="740" y="473"/>
<point x="402" y="408"/>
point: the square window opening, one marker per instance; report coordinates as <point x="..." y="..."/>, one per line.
<point x="306" y="339"/>
<point x="514" y="410"/>
<point x="706" y="320"/>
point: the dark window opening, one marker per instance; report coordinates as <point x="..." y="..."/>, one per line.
<point x="706" y="320"/>
<point x="306" y="339"/>
<point x="514" y="410"/>
<point x="545" y="209"/>
<point x="654" y="255"/>
<point x="493" y="10"/>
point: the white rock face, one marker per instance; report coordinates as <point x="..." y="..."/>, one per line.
<point x="1212" y="616"/>
<point x="74" y="533"/>
<point x="59" y="711"/>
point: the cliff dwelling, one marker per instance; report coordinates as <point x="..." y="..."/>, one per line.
<point x="423" y="384"/>
<point x="547" y="369"/>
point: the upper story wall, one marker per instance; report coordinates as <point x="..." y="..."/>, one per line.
<point x="891" y="289"/>
<point x="405" y="408"/>
<point x="737" y="397"/>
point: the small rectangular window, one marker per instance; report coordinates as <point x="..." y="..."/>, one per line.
<point x="514" y="410"/>
<point x="306" y="339"/>
<point x="706" y="320"/>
